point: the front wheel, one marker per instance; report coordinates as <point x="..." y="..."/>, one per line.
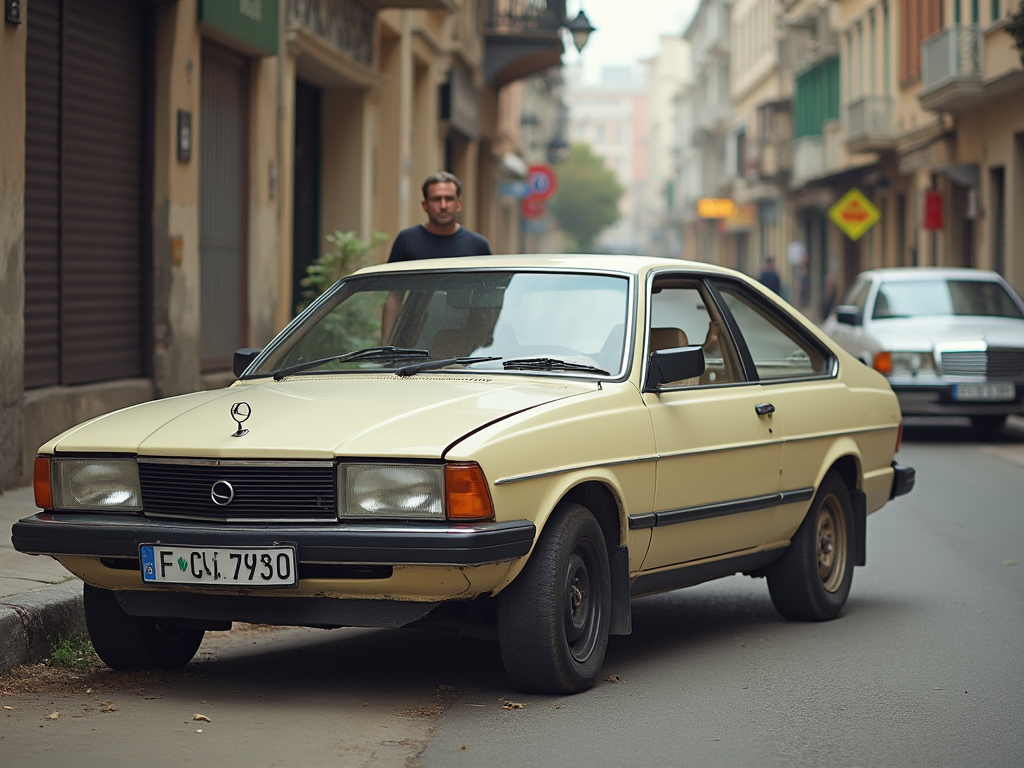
<point x="127" y="642"/>
<point x="811" y="581"/>
<point x="553" y="618"/>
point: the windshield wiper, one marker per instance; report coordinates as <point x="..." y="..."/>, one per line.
<point x="370" y="353"/>
<point x="549" y="364"/>
<point x="411" y="370"/>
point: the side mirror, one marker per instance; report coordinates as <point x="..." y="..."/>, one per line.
<point x="676" y="364"/>
<point x="848" y="315"/>
<point x="243" y="358"/>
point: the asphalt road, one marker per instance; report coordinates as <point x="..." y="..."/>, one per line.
<point x="925" y="667"/>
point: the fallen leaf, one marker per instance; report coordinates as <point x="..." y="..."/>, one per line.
<point x="199" y="730"/>
<point x="463" y="746"/>
<point x="1009" y="562"/>
<point x="613" y="679"/>
<point x="512" y="705"/>
<point x="155" y="696"/>
<point x="108" y="707"/>
<point x="556" y="706"/>
<point x="54" y="716"/>
<point x="446" y="687"/>
<point x="8" y="708"/>
<point x="200" y="718"/>
<point x="88" y="690"/>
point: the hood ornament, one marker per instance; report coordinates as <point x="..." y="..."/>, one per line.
<point x="240" y="412"/>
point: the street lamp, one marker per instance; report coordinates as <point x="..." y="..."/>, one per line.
<point x="580" y="28"/>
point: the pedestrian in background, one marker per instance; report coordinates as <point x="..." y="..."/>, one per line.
<point x="440" y="237"/>
<point x="769" y="277"/>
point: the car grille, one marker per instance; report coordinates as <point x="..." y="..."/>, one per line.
<point x="263" y="491"/>
<point x="993" y="364"/>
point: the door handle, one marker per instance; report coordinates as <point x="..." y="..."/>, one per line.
<point x="764" y="409"/>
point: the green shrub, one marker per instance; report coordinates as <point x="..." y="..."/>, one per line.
<point x="72" y="653"/>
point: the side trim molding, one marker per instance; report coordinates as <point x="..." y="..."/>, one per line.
<point x="705" y="511"/>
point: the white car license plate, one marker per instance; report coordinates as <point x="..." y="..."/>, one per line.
<point x="1001" y="391"/>
<point x="219" y="566"/>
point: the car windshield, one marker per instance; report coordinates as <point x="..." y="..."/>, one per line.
<point x="572" y="318"/>
<point x="930" y="298"/>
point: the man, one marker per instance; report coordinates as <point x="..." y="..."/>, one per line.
<point x="440" y="237"/>
<point x="769" y="277"/>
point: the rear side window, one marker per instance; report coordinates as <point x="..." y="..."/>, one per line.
<point x="779" y="349"/>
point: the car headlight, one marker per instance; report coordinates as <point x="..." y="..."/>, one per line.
<point x="414" y="491"/>
<point x="904" y="364"/>
<point x="95" y="484"/>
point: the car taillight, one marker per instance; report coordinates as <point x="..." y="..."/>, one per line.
<point x="41" y="483"/>
<point x="883" y="363"/>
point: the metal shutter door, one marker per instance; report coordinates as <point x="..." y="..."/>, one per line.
<point x="223" y="151"/>
<point x="42" y="195"/>
<point x="101" y="205"/>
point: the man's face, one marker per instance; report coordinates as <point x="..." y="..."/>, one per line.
<point x="442" y="204"/>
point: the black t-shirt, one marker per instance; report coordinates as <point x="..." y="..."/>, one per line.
<point x="417" y="243"/>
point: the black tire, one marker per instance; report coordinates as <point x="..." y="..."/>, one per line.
<point x="553" y="618"/>
<point x="811" y="581"/>
<point x="127" y="642"/>
<point x="988" y="425"/>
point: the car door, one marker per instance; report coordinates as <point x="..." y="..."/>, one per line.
<point x="796" y="375"/>
<point x="719" y="459"/>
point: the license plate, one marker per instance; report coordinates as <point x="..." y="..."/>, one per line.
<point x="1000" y="391"/>
<point x="219" y="566"/>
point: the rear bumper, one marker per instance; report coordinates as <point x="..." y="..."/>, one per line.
<point x="118" y="536"/>
<point x="902" y="480"/>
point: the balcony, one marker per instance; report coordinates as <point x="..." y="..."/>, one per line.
<point x="869" y="124"/>
<point x="521" y="38"/>
<point x="951" y="73"/>
<point x="774" y="146"/>
<point x="808" y="158"/>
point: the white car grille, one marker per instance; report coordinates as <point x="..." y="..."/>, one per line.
<point x="993" y="364"/>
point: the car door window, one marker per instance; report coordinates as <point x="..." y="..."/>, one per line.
<point x="777" y="348"/>
<point x="683" y="314"/>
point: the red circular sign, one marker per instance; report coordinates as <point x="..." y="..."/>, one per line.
<point x="541" y="181"/>
<point x="533" y="208"/>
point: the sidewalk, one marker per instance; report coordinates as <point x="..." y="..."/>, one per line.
<point x="39" y="600"/>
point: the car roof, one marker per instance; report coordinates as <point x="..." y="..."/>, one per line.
<point x="598" y="262"/>
<point x="917" y="273"/>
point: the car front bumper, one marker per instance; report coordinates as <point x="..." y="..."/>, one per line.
<point x="118" y="537"/>
<point x="938" y="399"/>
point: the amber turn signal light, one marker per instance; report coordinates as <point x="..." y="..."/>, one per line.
<point x="467" y="496"/>
<point x="41" y="483"/>
<point x="883" y="362"/>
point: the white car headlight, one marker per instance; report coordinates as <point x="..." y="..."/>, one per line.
<point x="391" y="491"/>
<point x="96" y="484"/>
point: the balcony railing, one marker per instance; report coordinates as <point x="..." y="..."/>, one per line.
<point x="951" y="69"/>
<point x="869" y="123"/>
<point x="808" y="158"/>
<point x="521" y="38"/>
<point x="952" y="53"/>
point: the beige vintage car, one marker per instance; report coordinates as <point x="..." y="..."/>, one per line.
<point x="540" y="439"/>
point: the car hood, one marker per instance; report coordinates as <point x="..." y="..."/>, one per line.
<point x="923" y="333"/>
<point x="322" y="417"/>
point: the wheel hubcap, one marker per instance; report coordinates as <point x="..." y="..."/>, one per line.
<point x="582" y="610"/>
<point x="831" y="544"/>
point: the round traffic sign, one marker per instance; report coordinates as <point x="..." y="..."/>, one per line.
<point x="542" y="182"/>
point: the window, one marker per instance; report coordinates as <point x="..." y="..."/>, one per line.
<point x="778" y="350"/>
<point x="682" y="315"/>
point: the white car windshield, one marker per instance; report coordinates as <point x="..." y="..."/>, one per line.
<point x="564" y="322"/>
<point x="930" y="298"/>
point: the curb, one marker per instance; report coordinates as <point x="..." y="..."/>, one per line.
<point x="30" y="622"/>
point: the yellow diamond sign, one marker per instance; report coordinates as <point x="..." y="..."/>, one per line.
<point x="854" y="214"/>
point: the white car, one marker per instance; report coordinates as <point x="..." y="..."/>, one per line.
<point x="950" y="341"/>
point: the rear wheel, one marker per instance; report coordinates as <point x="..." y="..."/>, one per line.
<point x="811" y="581"/>
<point x="553" y="618"/>
<point x="127" y="642"/>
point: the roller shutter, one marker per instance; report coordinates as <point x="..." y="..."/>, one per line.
<point x="84" y="234"/>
